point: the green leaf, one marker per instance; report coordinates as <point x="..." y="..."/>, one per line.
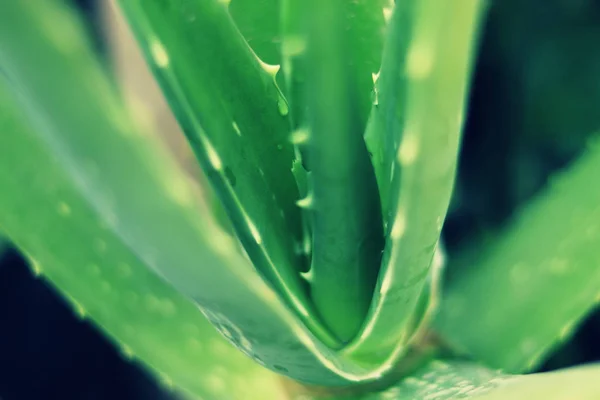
<point x="343" y="201"/>
<point x="67" y="241"/>
<point x="81" y="136"/>
<point x="444" y="380"/>
<point x="518" y="297"/>
<point x="235" y="117"/>
<point x="364" y="32"/>
<point x="82" y="179"/>
<point x="414" y="135"/>
<point x="448" y="380"/>
<point x="469" y="381"/>
<point x="197" y="38"/>
<point x="148" y="106"/>
<point x="579" y="383"/>
<point x="258" y="21"/>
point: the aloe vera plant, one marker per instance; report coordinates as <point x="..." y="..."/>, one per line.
<point x="334" y="168"/>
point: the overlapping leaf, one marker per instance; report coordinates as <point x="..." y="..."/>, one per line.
<point x="342" y="201"/>
<point x="83" y="137"/>
<point x="414" y="134"/>
<point x="235" y="117"/>
<point x="68" y="241"/>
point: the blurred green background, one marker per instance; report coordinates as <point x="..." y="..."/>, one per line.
<point x="533" y="106"/>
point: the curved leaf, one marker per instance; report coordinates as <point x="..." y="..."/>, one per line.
<point x="67" y="241"/>
<point x="235" y="117"/>
<point x="138" y="193"/>
<point x="343" y="202"/>
<point x="148" y="106"/>
<point x="517" y="297"/>
<point x="414" y="135"/>
<point x="579" y="383"/>
<point x="363" y="23"/>
<point x="81" y="138"/>
<point x="258" y="21"/>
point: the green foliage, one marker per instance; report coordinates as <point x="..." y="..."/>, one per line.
<point x="442" y="380"/>
<point x="203" y="263"/>
<point x="103" y="276"/>
<point x="328" y="110"/>
<point x="250" y="170"/>
<point x="414" y="141"/>
<point x="343" y="200"/>
<point x="546" y="255"/>
<point x="336" y="176"/>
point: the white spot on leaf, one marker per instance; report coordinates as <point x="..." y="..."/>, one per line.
<point x="64" y="209"/>
<point x="399" y="226"/>
<point x="254" y="231"/>
<point x="386" y="283"/>
<point x="127" y="351"/>
<point x="213" y="156"/>
<point x="236" y="128"/>
<point x="559" y="266"/>
<point x="419" y="62"/>
<point x="293" y="45"/>
<point x="300" y="136"/>
<point x="159" y="54"/>
<point x="387" y="13"/>
<point x="36" y="268"/>
<point x="409" y="149"/>
<point x="567" y="330"/>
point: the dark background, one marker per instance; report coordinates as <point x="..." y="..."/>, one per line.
<point x="534" y="102"/>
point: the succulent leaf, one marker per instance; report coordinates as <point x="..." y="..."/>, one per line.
<point x="343" y="202"/>
<point x="69" y="242"/>
<point x="236" y="119"/>
<point x="541" y="273"/>
<point x="78" y="133"/>
<point x="258" y="21"/>
<point x="363" y="22"/>
<point x="101" y="210"/>
<point x="414" y="135"/>
<point x="445" y="380"/>
<point x="77" y="139"/>
<point x="451" y="379"/>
